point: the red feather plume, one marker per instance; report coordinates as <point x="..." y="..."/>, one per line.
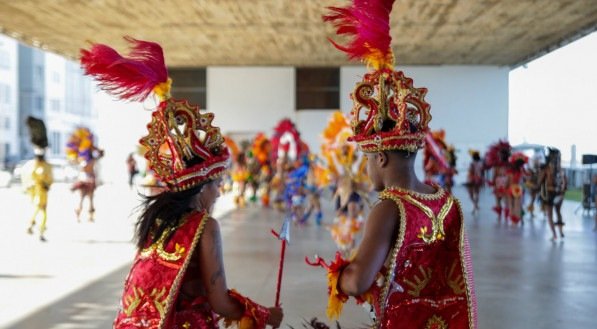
<point x="128" y="78"/>
<point x="368" y="21"/>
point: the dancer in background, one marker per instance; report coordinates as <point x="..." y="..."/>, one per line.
<point x="37" y="175"/>
<point x="131" y="166"/>
<point x="516" y="175"/>
<point x="474" y="179"/>
<point x="553" y="187"/>
<point x="496" y="159"/>
<point x="82" y="150"/>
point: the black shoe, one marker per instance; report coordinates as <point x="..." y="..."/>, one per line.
<point x="42" y="239"/>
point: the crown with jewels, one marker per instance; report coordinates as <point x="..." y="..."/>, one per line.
<point x="182" y="147"/>
<point x="388" y="112"/>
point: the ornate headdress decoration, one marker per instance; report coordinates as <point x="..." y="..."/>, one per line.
<point x="498" y="154"/>
<point x="287" y="141"/>
<point x="80" y="145"/>
<point x="183" y="148"/>
<point x="396" y="115"/>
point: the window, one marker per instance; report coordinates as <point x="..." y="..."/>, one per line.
<point x="4" y="59"/>
<point x="317" y="88"/>
<point x="55" y="77"/>
<point x="190" y="84"/>
<point x="4" y="94"/>
<point x="39" y="103"/>
<point x="55" y="105"/>
<point x="55" y="142"/>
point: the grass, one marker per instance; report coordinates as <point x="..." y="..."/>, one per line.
<point x="574" y="195"/>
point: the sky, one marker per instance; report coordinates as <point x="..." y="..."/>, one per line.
<point x="553" y="100"/>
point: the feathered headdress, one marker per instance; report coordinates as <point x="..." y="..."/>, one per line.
<point x="498" y="154"/>
<point x="396" y="115"/>
<point x="80" y="145"/>
<point x="183" y="148"/>
<point x="37" y="134"/>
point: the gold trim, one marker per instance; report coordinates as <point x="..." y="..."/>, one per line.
<point x="438" y="194"/>
<point x="175" y="285"/>
<point x="392" y="268"/>
<point x="436" y="322"/>
<point x="465" y="273"/>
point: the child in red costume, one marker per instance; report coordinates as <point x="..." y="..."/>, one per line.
<point x="413" y="264"/>
<point x="177" y="279"/>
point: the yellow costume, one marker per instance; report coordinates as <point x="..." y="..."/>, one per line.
<point x="37" y="179"/>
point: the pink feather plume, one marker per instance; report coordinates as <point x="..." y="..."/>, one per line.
<point x="368" y="21"/>
<point x="128" y="78"/>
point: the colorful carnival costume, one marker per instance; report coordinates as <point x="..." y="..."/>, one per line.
<point x="436" y="159"/>
<point x="287" y="148"/>
<point x="531" y="183"/>
<point x="37" y="175"/>
<point x="185" y="151"/>
<point x="496" y="158"/>
<point x="346" y="168"/>
<point x="81" y="149"/>
<point x="426" y="280"/>
<point x="516" y="175"/>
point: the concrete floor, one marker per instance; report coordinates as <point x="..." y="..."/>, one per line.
<point x="523" y="280"/>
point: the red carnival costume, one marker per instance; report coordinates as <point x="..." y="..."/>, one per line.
<point x="418" y="291"/>
<point x="427" y="279"/>
<point x="497" y="158"/>
<point x="184" y="150"/>
<point x="516" y="174"/>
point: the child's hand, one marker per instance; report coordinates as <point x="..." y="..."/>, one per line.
<point x="276" y="314"/>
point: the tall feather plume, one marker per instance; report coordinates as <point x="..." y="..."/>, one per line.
<point x="129" y="78"/>
<point x="368" y="21"/>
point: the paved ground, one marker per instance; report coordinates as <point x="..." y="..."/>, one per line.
<point x="74" y="281"/>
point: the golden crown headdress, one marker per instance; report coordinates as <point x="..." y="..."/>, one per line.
<point x="182" y="147"/>
<point x="396" y="115"/>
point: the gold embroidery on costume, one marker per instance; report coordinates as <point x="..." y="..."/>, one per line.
<point x="392" y="268"/>
<point x="178" y="280"/>
<point x="158" y="247"/>
<point x="469" y="295"/>
<point x="436" y="322"/>
<point x="456" y="283"/>
<point x="157" y="296"/>
<point x="437" y="222"/>
<point x="419" y="283"/>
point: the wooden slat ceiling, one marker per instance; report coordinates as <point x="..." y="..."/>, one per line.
<point x="290" y="32"/>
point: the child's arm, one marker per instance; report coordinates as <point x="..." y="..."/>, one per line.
<point x="380" y="232"/>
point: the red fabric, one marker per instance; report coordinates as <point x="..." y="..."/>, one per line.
<point x="441" y="262"/>
<point x="254" y="313"/>
<point x="149" y="293"/>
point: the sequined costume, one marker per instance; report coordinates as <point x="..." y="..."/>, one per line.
<point x="184" y="151"/>
<point x="428" y="280"/>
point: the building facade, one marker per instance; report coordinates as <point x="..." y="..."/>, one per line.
<point x="9" y="101"/>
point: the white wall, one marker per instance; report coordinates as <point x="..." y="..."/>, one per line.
<point x="250" y="99"/>
<point x="311" y="123"/>
<point x="469" y="102"/>
<point x="120" y="125"/>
